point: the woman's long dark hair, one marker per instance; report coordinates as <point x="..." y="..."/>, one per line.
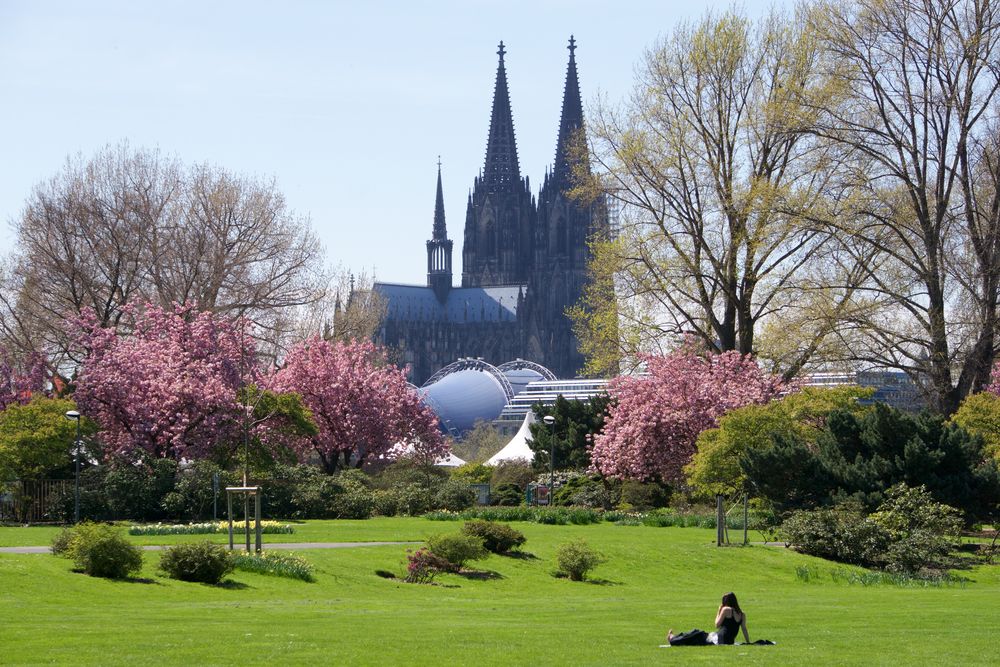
<point x="729" y="600"/>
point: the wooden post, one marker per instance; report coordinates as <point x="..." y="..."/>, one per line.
<point x="746" y="500"/>
<point x="229" y="515"/>
<point x="720" y="521"/>
<point x="246" y="518"/>
<point x="257" y="516"/>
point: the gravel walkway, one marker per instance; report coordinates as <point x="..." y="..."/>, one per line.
<point x="236" y="545"/>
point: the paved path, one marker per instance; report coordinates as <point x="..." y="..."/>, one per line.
<point x="236" y="544"/>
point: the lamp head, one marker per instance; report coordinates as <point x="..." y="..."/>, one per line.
<point x="72" y="414"/>
<point x="549" y="419"/>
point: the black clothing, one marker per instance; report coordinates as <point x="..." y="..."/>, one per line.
<point x="729" y="629"/>
<point x="692" y="638"/>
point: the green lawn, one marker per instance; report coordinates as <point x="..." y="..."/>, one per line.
<point x="656" y="578"/>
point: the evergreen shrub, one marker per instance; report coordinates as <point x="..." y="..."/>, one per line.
<point x="202" y="562"/>
<point x="457" y="548"/>
<point x="498" y="538"/>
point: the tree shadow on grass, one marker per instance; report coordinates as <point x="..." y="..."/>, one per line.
<point x="480" y="575"/>
<point x="520" y="555"/>
<point x="137" y="580"/>
<point x="231" y="585"/>
<point x="603" y="582"/>
<point x="589" y="580"/>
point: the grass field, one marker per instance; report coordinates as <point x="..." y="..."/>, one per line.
<point x="655" y="578"/>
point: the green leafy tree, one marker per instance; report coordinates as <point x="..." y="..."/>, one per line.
<point x="801" y="416"/>
<point x="980" y="414"/>
<point x="576" y="423"/>
<point x="724" y="196"/>
<point x="277" y="424"/>
<point x="36" y="439"/>
<point x="479" y="444"/>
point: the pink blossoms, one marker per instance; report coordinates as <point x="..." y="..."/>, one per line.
<point x="363" y="407"/>
<point x="170" y="386"/>
<point x="651" y="430"/>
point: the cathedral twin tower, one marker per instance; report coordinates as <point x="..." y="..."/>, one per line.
<point x="523" y="264"/>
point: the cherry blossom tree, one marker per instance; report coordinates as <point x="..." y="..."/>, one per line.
<point x="653" y="422"/>
<point x="363" y="407"/>
<point x="19" y="381"/>
<point x="170" y="386"/>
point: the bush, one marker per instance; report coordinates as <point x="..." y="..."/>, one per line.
<point x="423" y="565"/>
<point x="516" y="472"/>
<point x="842" y="534"/>
<point x="859" y="456"/>
<point x="137" y="491"/>
<point x="575" y="559"/>
<point x="924" y="533"/>
<point x="413" y="499"/>
<point x="584" y="491"/>
<point x="408" y="471"/>
<point x="473" y="473"/>
<point x="507" y="495"/>
<point x="60" y="543"/>
<point x="193" y="497"/>
<point x="203" y="562"/>
<point x="457" y="548"/>
<point x="909" y="533"/>
<point x="385" y="503"/>
<point x="101" y="551"/>
<point x="498" y="538"/>
<point x="353" y="504"/>
<point x="455" y="495"/>
<point x="644" y="496"/>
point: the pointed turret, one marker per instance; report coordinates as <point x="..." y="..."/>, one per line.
<point x="440" y="231"/>
<point x="501" y="170"/>
<point x="561" y="253"/>
<point x="500" y="220"/>
<point x="570" y="122"/>
<point x="439" y="248"/>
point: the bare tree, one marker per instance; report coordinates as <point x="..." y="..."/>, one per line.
<point x="725" y="197"/>
<point x="130" y="226"/>
<point x="921" y="81"/>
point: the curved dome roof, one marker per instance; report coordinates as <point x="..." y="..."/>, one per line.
<point x="462" y="398"/>
<point x="470" y="390"/>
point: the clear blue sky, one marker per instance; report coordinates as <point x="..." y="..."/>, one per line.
<point x="347" y="105"/>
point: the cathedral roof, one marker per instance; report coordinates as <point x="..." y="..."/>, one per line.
<point x="463" y="304"/>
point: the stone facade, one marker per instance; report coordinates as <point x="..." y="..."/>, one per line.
<point x="523" y="263"/>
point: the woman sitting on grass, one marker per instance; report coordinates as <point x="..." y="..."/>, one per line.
<point x="729" y="620"/>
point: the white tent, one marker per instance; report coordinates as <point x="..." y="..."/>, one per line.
<point x="404" y="449"/>
<point x="450" y="461"/>
<point x="518" y="447"/>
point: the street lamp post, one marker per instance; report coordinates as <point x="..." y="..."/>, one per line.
<point x="551" y="421"/>
<point x="73" y="414"/>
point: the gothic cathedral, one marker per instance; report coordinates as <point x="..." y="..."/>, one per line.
<point x="523" y="263"/>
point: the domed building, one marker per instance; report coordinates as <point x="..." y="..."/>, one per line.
<point x="471" y="390"/>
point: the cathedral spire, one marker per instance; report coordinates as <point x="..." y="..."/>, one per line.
<point x="571" y="121"/>
<point x="439" y="248"/>
<point x="440" y="232"/>
<point x="501" y="170"/>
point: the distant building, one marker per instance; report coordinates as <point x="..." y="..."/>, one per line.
<point x="523" y="262"/>
<point x="545" y="392"/>
<point x="893" y="388"/>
